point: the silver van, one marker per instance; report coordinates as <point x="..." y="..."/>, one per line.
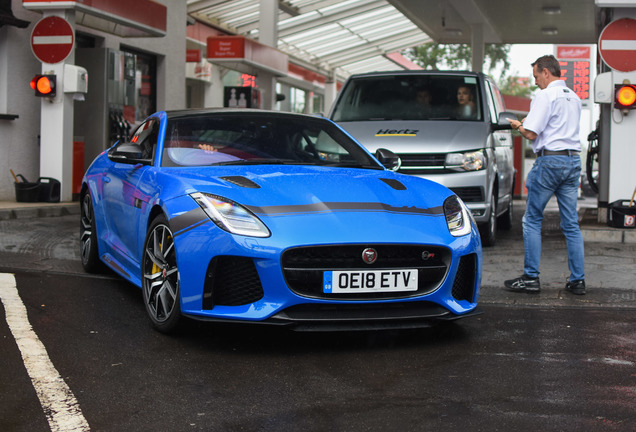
<point x="449" y="127"/>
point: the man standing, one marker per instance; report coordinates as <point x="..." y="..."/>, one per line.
<point x="553" y="127"/>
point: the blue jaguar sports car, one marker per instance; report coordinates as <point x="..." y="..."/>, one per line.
<point x="271" y="217"/>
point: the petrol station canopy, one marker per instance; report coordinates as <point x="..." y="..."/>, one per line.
<point x="355" y="36"/>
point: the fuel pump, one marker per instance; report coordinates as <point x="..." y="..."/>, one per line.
<point x="617" y="178"/>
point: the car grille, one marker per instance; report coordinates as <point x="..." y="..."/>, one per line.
<point x="231" y="281"/>
<point x="464" y="284"/>
<point x="469" y="194"/>
<point x="303" y="267"/>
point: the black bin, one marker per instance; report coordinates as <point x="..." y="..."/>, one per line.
<point x="621" y="215"/>
<point x="49" y="190"/>
<point x="27" y="192"/>
<point x="46" y="189"/>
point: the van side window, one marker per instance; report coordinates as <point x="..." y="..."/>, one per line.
<point x="496" y="103"/>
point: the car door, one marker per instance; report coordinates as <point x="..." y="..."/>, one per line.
<point x="122" y="196"/>
<point x="502" y="147"/>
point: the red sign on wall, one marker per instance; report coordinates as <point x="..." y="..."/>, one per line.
<point x="226" y="47"/>
<point x="193" y="56"/>
<point x="579" y="52"/>
<point x="246" y="55"/>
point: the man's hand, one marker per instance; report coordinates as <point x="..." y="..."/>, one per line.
<point x="516" y="124"/>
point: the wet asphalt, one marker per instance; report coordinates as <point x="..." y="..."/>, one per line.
<point x="550" y="362"/>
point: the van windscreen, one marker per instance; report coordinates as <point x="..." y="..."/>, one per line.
<point x="410" y="97"/>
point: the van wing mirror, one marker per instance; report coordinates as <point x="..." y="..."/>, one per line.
<point x="388" y="159"/>
<point x="502" y="122"/>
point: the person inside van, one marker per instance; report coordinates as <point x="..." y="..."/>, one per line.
<point x="424" y="102"/>
<point x="466" y="102"/>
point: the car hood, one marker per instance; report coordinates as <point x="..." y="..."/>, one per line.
<point x="320" y="204"/>
<point x="431" y="136"/>
<point x="294" y="185"/>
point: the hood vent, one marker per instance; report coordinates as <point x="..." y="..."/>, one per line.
<point x="395" y="184"/>
<point x="241" y="181"/>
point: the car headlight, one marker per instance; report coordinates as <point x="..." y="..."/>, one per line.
<point x="469" y="161"/>
<point x="458" y="218"/>
<point x="231" y="216"/>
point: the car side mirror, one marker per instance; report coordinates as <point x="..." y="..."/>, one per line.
<point x="127" y="153"/>
<point x="502" y="122"/>
<point x="388" y="159"/>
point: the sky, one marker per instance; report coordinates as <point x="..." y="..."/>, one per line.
<point x="522" y="55"/>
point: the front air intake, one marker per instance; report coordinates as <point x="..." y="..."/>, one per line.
<point x="231" y="281"/>
<point x="464" y="284"/>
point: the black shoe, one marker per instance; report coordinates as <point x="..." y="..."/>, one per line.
<point x="576" y="287"/>
<point x="525" y="284"/>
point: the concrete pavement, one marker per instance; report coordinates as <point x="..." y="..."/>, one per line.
<point x="610" y="264"/>
<point x="44" y="236"/>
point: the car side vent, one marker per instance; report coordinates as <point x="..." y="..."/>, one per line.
<point x="395" y="184"/>
<point x="241" y="181"/>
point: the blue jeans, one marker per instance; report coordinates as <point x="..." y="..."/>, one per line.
<point x="559" y="176"/>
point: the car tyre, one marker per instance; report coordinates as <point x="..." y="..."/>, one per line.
<point x="160" y="277"/>
<point x="88" y="236"/>
<point x="488" y="230"/>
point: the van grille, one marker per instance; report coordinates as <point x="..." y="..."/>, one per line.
<point x="422" y="163"/>
<point x="469" y="194"/>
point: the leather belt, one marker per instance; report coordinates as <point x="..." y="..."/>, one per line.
<point x="558" y="153"/>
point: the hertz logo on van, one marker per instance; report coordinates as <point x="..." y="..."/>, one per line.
<point x="398" y="132"/>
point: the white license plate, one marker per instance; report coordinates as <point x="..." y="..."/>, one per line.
<point x="366" y="281"/>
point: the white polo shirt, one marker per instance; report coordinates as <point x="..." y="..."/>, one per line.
<point x="555" y="113"/>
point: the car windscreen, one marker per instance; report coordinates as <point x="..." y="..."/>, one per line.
<point x="254" y="139"/>
<point x="410" y="97"/>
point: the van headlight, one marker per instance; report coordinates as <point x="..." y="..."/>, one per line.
<point x="458" y="217"/>
<point x="468" y="161"/>
<point x="231" y="216"/>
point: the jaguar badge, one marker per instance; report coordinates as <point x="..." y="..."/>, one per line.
<point x="369" y="255"/>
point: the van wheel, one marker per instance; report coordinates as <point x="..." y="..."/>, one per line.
<point x="488" y="230"/>
<point x="505" y="220"/>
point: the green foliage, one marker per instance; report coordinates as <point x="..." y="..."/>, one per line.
<point x="457" y="56"/>
<point x="516" y="86"/>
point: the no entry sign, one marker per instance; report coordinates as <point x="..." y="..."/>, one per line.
<point x="617" y="45"/>
<point x="52" y="39"/>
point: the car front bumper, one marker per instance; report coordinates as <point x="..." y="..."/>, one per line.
<point x="268" y="298"/>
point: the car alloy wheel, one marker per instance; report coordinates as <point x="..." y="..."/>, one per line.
<point x="160" y="278"/>
<point x="88" y="236"/>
